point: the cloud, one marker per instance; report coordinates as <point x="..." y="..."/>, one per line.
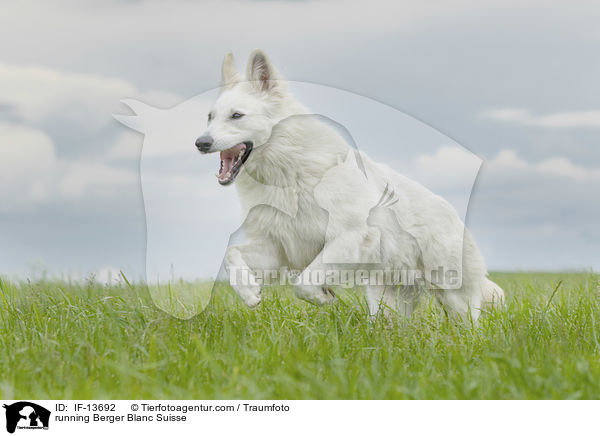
<point x="450" y="166"/>
<point x="537" y="215"/>
<point x="96" y="179"/>
<point x="74" y="109"/>
<point x="39" y="94"/>
<point x="590" y="118"/>
<point x="27" y="160"/>
<point x="31" y="174"/>
<point x="559" y="167"/>
<point x="60" y="142"/>
<point x="24" y="151"/>
<point x="128" y="145"/>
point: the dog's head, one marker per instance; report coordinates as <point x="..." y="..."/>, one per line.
<point x="245" y="113"/>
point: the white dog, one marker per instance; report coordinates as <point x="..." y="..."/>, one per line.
<point x="351" y="212"/>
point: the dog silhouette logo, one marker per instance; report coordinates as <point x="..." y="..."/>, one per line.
<point x="26" y="415"/>
<point x="192" y="221"/>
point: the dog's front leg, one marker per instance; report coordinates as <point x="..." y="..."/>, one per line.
<point x="243" y="261"/>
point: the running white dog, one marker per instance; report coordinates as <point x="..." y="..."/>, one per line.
<point x="351" y="212"/>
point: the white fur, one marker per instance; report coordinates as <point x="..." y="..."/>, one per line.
<point x="337" y="220"/>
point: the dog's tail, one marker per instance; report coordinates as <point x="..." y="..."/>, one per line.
<point x="493" y="295"/>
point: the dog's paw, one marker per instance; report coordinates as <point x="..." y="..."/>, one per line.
<point x="319" y="295"/>
<point x="253" y="301"/>
<point x="250" y="295"/>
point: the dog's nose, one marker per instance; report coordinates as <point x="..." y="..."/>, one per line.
<point x="204" y="143"/>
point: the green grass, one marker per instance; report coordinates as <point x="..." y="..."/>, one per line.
<point x="84" y="341"/>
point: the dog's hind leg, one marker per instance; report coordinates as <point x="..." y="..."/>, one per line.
<point x="405" y="298"/>
<point x="355" y="247"/>
<point x="464" y="303"/>
<point x="493" y="295"/>
<point x="375" y="299"/>
<point x="389" y="299"/>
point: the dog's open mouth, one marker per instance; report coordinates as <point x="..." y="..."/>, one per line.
<point x="232" y="160"/>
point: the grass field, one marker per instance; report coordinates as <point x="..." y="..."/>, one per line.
<point x="84" y="341"/>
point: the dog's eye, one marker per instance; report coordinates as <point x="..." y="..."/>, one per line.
<point x="236" y="115"/>
<point x="209" y="117"/>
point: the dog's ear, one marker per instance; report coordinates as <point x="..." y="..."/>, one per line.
<point x="261" y="72"/>
<point x="229" y="74"/>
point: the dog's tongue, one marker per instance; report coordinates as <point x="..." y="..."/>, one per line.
<point x="227" y="159"/>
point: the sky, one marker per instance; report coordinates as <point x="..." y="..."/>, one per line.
<point x="513" y="83"/>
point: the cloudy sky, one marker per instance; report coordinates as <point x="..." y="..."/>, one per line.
<point x="516" y="83"/>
